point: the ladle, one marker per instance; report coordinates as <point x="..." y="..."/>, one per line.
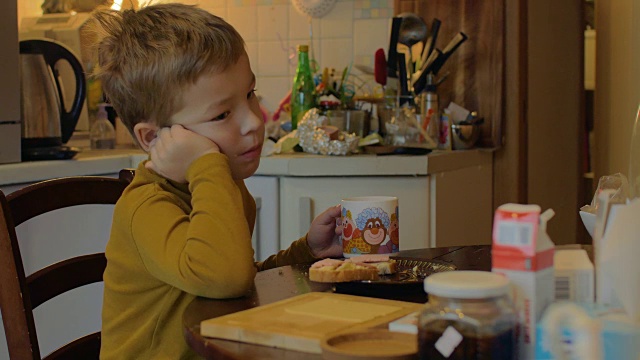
<point x="412" y="30"/>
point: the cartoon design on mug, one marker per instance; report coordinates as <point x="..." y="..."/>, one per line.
<point x="352" y="236"/>
<point x="394" y="235"/>
<point x="374" y="231"/>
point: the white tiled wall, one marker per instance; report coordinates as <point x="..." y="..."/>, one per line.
<point x="351" y="32"/>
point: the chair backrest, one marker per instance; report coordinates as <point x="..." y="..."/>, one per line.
<point x="20" y="294"/>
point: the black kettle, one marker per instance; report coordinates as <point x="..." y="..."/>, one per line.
<point x="46" y="124"/>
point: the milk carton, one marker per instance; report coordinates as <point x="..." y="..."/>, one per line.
<point x="523" y="251"/>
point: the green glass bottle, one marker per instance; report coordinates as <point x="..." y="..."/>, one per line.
<point x="303" y="91"/>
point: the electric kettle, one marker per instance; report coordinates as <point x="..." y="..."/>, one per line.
<point x="46" y="124"/>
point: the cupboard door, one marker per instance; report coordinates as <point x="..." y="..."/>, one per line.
<point x="461" y="206"/>
<point x="265" y="233"/>
<point x="303" y="198"/>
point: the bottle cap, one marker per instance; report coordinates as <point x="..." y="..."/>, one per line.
<point x="466" y="284"/>
<point x="303" y="48"/>
<point x="102" y="111"/>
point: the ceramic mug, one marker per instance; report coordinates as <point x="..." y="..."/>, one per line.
<point x="370" y="225"/>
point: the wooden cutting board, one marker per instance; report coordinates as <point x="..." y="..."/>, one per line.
<point x="301" y="322"/>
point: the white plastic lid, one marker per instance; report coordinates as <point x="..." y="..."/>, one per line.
<point x="466" y="284"/>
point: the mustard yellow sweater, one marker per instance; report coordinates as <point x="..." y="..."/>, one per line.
<point x="170" y="243"/>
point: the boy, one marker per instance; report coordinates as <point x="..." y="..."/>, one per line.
<point x="180" y="80"/>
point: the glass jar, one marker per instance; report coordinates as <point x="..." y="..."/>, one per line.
<point x="399" y="120"/>
<point x="469" y="316"/>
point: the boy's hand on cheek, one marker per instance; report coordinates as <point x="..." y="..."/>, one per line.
<point x="174" y="149"/>
<point x="323" y="237"/>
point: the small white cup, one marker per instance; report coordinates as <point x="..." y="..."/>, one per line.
<point x="370" y="225"/>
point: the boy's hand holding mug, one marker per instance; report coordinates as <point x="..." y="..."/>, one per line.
<point x="323" y="236"/>
<point x="174" y="149"/>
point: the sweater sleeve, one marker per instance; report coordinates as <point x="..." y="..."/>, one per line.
<point x="205" y="250"/>
<point x="298" y="253"/>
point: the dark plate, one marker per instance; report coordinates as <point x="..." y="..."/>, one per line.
<point x="406" y="284"/>
<point x="49" y="153"/>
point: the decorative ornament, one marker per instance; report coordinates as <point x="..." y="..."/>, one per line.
<point x="314" y="8"/>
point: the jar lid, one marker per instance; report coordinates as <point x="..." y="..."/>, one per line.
<point x="466" y="284"/>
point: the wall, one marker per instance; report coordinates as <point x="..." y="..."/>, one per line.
<point x="272" y="29"/>
<point x="618" y="83"/>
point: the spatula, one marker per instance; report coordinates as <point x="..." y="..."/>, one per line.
<point x="380" y="67"/>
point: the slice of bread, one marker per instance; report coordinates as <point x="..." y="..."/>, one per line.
<point x="385" y="265"/>
<point x="333" y="270"/>
<point x="346" y="272"/>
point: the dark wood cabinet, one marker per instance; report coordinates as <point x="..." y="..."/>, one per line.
<point x="475" y="71"/>
<point x="523" y="70"/>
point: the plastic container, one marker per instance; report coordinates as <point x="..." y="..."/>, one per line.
<point x="469" y="316"/>
<point x="102" y="134"/>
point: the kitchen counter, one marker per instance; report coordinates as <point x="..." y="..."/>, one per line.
<point x="103" y="162"/>
<point x="88" y="162"/>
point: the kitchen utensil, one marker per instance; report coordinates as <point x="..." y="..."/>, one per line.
<point x="46" y="124"/>
<point x="464" y="136"/>
<point x="293" y="323"/>
<point x="392" y="57"/>
<point x="313" y="8"/>
<point x="380" y="67"/>
<point x="403" y="49"/>
<point x="424" y="69"/>
<point x="412" y="30"/>
<point x="431" y="41"/>
<point x="452" y="46"/>
<point x="402" y="78"/>
<point x="416" y="53"/>
<point x="419" y="85"/>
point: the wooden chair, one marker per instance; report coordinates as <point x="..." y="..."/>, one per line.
<point x="20" y="294"/>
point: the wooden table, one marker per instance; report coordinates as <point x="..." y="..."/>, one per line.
<point x="285" y="282"/>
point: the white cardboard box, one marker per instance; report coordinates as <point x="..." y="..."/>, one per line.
<point x="574" y="276"/>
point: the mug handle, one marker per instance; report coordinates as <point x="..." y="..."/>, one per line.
<point x="586" y="331"/>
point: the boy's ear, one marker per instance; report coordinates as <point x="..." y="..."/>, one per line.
<point x="145" y="132"/>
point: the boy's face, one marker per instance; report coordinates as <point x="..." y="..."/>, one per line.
<point x="224" y="108"/>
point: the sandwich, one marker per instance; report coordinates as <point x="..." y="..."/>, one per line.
<point x="357" y="268"/>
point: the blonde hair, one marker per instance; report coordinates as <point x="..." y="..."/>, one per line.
<point x="146" y="57"/>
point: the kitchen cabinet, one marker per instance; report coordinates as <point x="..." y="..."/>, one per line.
<point x="442" y="209"/>
<point x="444" y="198"/>
<point x="266" y="233"/>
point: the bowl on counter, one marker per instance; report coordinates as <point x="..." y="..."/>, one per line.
<point x="464" y="136"/>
